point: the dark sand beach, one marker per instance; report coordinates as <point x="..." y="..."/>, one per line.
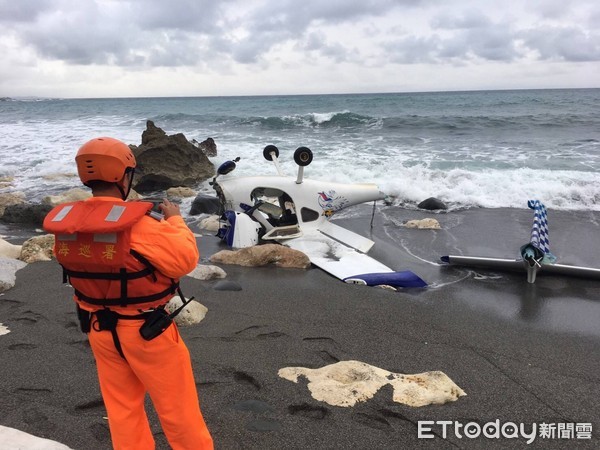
<point x="522" y="353"/>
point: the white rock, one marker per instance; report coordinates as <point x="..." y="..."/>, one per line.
<point x="348" y="382"/>
<point x="9" y="250"/>
<point x="205" y="272"/>
<point x="3" y="329"/>
<point x="193" y="312"/>
<point x="210" y="223"/>
<point x="8" y="270"/>
<point x="423" y="224"/>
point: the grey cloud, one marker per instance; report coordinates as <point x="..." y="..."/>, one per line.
<point x="317" y="42"/>
<point x="191" y="15"/>
<point x="494" y="43"/>
<point x="563" y="43"/>
<point x="75" y="38"/>
<point x="142" y="33"/>
<point x="128" y="33"/>
<point x="23" y="10"/>
<point x="471" y="33"/>
<point x="146" y="32"/>
<point x="413" y="50"/>
<point x="286" y="20"/>
<point x="296" y="16"/>
<point x="466" y="20"/>
<point x="548" y="9"/>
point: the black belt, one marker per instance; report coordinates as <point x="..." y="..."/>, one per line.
<point x="106" y="320"/>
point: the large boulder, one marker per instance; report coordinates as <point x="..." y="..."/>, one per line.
<point x="432" y="204"/>
<point x="205" y="204"/>
<point x="9" y="199"/>
<point x="38" y="248"/>
<point x="26" y="214"/>
<point x="168" y="161"/>
<point x="261" y="255"/>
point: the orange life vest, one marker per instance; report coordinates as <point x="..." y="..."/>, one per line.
<point x="92" y="243"/>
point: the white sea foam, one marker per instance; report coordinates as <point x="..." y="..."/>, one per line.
<point x="410" y="184"/>
<point x="48" y="167"/>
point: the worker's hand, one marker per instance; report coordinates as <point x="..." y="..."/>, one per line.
<point x="169" y="209"/>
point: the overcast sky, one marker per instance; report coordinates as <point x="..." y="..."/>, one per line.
<point x="133" y="48"/>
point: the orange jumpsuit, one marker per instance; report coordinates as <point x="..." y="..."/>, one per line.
<point x="162" y="366"/>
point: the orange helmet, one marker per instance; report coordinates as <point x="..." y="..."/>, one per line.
<point x="105" y="159"/>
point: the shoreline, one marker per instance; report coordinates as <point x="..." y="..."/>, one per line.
<point x="521" y="355"/>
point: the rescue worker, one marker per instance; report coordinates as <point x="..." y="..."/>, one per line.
<point x="124" y="263"/>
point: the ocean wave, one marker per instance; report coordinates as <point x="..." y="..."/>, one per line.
<point x="311" y="120"/>
<point x="342" y="119"/>
<point x="435" y="124"/>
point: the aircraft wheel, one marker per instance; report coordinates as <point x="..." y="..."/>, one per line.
<point x="267" y="152"/>
<point x="303" y="156"/>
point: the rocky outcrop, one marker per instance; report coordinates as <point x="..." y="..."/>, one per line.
<point x="9" y="199"/>
<point x="168" y="161"/>
<point x="208" y="147"/>
<point x="261" y="255"/>
<point x="432" y="203"/>
<point x="205" y="204"/>
<point x="26" y="214"/>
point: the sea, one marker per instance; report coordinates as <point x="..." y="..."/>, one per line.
<point x="492" y="149"/>
<point x="483" y="153"/>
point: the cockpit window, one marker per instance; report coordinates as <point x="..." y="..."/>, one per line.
<point x="309" y="215"/>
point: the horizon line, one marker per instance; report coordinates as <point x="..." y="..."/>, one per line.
<point x="32" y="97"/>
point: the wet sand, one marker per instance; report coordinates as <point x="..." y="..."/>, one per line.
<point x="522" y="353"/>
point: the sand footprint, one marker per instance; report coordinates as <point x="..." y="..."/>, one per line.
<point x="327" y="349"/>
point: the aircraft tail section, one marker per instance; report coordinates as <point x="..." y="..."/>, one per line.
<point x="539" y="242"/>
